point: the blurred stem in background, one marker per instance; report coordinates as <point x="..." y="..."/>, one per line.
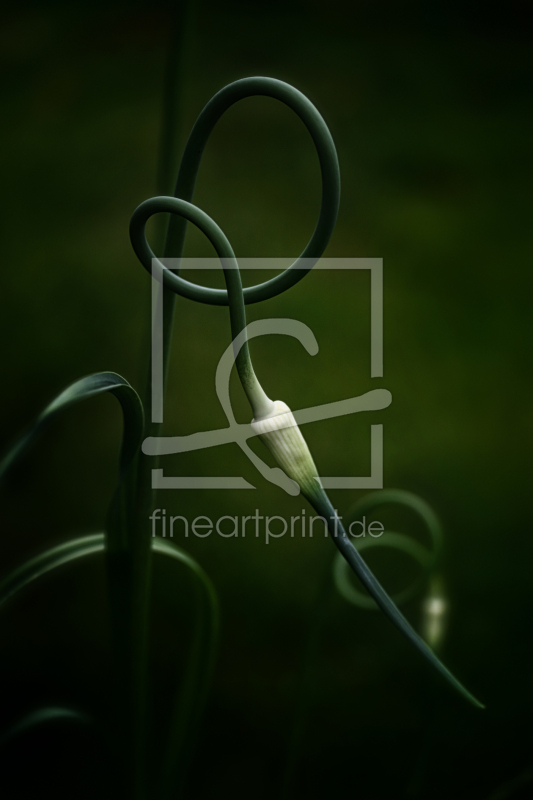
<point x="130" y="580"/>
<point x="175" y="71"/>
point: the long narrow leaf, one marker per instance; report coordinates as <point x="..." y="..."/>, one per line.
<point x="123" y="558"/>
<point x="47" y="561"/>
<point x="87" y="387"/>
<point x="42" y="716"/>
<point x="191" y="700"/>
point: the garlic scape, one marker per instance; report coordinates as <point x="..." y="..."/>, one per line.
<point x="273" y="422"/>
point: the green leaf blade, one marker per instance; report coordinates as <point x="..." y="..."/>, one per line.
<point x="90" y="386"/>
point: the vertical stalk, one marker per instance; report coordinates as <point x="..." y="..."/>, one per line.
<point x="305" y="682"/>
<point x="167" y="166"/>
<point x="129" y="549"/>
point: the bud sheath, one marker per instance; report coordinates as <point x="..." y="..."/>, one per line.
<point x="279" y="431"/>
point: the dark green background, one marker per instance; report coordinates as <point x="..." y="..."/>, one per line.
<point x="427" y="106"/>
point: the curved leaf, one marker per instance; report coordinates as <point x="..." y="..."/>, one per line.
<point x="123" y="513"/>
<point x="89" y="386"/>
<point x="42" y="716"/>
<point x="193" y="693"/>
<point x="49" y="560"/>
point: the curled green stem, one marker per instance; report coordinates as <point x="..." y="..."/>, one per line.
<point x="329" y="167"/>
<point x="182" y="209"/>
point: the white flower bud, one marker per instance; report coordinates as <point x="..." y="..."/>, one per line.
<point x="280" y="433"/>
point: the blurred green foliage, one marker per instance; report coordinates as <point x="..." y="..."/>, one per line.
<point x="428" y="111"/>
